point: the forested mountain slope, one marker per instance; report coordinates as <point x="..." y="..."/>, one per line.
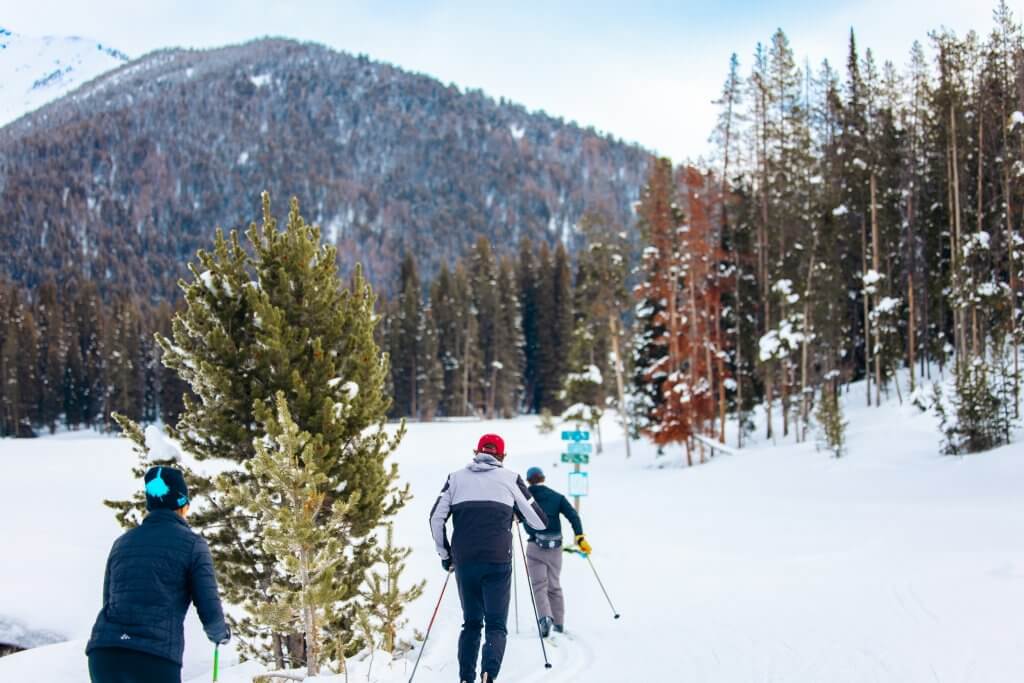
<point x="121" y="180"/>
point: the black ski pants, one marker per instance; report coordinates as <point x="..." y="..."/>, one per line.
<point x="121" y="665"/>
<point x="484" y="590"/>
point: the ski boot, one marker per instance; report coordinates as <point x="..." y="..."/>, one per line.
<point x="545" y="626"/>
<point x="559" y="628"/>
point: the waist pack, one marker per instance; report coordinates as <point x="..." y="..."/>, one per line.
<point x="547" y="539"/>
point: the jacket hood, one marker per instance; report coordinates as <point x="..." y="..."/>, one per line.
<point x="483" y="462"/>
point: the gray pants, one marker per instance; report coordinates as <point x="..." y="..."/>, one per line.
<point x="545" y="565"/>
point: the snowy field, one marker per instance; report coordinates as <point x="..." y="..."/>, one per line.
<point x="777" y="564"/>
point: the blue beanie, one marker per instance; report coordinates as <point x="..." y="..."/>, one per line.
<point x="534" y="473"/>
<point x="165" y="489"/>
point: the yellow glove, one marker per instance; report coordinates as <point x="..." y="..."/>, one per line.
<point x="581" y="543"/>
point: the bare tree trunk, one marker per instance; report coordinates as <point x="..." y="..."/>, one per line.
<point x="613" y="324"/>
<point x="867" y="311"/>
<point x="808" y="290"/>
<point x="491" y="392"/>
<point x="413" y="408"/>
<point x="695" y="423"/>
<point x="720" y="364"/>
<point x="958" y="315"/>
<point x="1012" y="294"/>
<point x="975" y="342"/>
<point x="874" y="297"/>
<point x="784" y="395"/>
<point x="309" y="618"/>
<point x="911" y="338"/>
<point x="278" y="650"/>
<point x="465" y="373"/>
<point x="739" y="350"/>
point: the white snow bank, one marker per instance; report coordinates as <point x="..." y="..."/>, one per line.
<point x="891" y="564"/>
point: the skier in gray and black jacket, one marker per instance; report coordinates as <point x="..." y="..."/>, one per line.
<point x="481" y="499"/>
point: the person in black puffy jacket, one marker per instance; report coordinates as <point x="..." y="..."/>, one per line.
<point x="154" y="572"/>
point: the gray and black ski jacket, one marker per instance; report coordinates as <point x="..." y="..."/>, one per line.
<point x="480" y="499"/>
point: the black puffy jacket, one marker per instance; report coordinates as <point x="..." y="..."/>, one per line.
<point x="153" y="573"/>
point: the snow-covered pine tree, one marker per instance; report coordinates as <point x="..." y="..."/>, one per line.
<point x="603" y="300"/>
<point x="274" y="317"/>
<point x="658" y="217"/>
<point x="735" y="229"/>
<point x="700" y="267"/>
<point x="583" y="389"/>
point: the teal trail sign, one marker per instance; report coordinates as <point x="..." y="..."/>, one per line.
<point x="576" y="436"/>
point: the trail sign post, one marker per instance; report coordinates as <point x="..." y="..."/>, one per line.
<point x="577" y="451"/>
<point x="579" y="484"/>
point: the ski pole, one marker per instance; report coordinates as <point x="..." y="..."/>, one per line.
<point x="430" y="626"/>
<point x="599" y="583"/>
<point x="216" y="662"/>
<point x="515" y="592"/>
<point x="533" y="598"/>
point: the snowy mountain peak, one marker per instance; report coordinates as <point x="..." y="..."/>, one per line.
<point x="36" y="70"/>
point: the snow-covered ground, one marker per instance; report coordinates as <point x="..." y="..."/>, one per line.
<point x="37" y="70"/>
<point x="777" y="564"/>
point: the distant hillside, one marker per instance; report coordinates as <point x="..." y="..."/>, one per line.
<point x="34" y="71"/>
<point x="126" y="176"/>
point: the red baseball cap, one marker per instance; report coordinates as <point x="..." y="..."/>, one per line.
<point x="491" y="444"/>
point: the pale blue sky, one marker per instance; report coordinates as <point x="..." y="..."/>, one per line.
<point x="643" y="71"/>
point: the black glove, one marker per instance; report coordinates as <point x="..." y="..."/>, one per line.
<point x="227" y="636"/>
<point x="447" y="564"/>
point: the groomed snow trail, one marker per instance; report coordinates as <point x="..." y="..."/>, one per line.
<point x="893" y="564"/>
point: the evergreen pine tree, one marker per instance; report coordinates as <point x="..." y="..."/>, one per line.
<point x="52" y="350"/>
<point x="528" y="290"/>
<point x="831" y="422"/>
<point x="272" y="318"/>
<point x="406" y="338"/>
<point x="386" y="596"/>
<point x="445" y="315"/>
<point x="483" y="289"/>
<point x="291" y="493"/>
<point x="430" y="377"/>
<point x="508" y="390"/>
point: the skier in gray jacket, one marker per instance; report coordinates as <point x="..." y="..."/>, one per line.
<point x="481" y="499"/>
